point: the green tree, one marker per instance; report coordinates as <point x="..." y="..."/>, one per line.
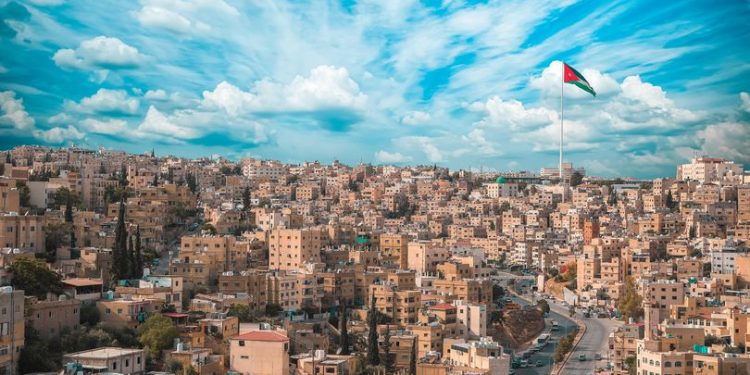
<point x="35" y="355"/>
<point x="273" y="309"/>
<point x="132" y="262"/>
<point x="388" y="363"/>
<point x="32" y="275"/>
<point x="630" y="304"/>
<point x="123" y="176"/>
<point x="89" y="314"/>
<point x="576" y="178"/>
<point x="138" y="252"/>
<point x="191" y="182"/>
<point x="632" y="365"/>
<point x="242" y="312"/>
<point x="158" y="333"/>
<point x="343" y="331"/>
<point x="373" y="356"/>
<point x="119" y="250"/>
<point x="246" y="198"/>
<point x="69" y="209"/>
<point x="413" y="358"/>
<point x="24" y="194"/>
<point x="543" y="306"/>
<point x="670" y="200"/>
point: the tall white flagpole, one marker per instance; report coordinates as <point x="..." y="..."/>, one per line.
<point x="562" y="82"/>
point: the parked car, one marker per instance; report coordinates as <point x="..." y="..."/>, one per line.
<point x="539" y="363"/>
<point x="597" y="356"/>
<point x="582" y="357"/>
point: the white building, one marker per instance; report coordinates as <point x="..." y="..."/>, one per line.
<point x="484" y="354"/>
<point x="471" y="318"/>
<point x="706" y="169"/>
<point x="723" y="260"/>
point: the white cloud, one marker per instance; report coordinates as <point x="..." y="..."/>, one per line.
<point x="513" y="115"/>
<point x="106" y="101"/>
<point x="156" y="123"/>
<point x="745" y="101"/>
<point x="158" y="95"/>
<point x="729" y="140"/>
<point x="107" y="127"/>
<point x="327" y="87"/>
<point x="14" y="112"/>
<point x="101" y="52"/>
<point x="184" y="17"/>
<point x="424" y="144"/>
<point x="549" y="82"/>
<point x="415" y="118"/>
<point x="478" y="142"/>
<point x="391" y="157"/>
<point x="60" y="118"/>
<point x="59" y="135"/>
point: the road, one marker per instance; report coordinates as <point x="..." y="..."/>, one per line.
<point x="595" y="340"/>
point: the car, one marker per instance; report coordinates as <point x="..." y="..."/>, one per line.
<point x="524" y="363"/>
<point x="582" y="357"/>
<point x="539" y="363"/>
<point x="597" y="356"/>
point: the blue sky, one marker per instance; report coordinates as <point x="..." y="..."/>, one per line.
<point x="462" y="84"/>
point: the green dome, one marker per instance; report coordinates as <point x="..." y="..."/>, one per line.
<point x="500" y="180"/>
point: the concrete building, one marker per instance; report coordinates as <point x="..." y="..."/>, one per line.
<point x="11" y="328"/>
<point x="259" y="353"/>
<point x="706" y="169"/>
<point x="25" y="232"/>
<point x="289" y="249"/>
<point x="49" y="317"/>
<point x="110" y="359"/>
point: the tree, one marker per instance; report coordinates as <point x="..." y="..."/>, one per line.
<point x="413" y="358"/>
<point x="32" y="275"/>
<point x="387" y="361"/>
<point x="671" y="204"/>
<point x="343" y="331"/>
<point x="90" y="314"/>
<point x="246" y="198"/>
<point x="632" y="365"/>
<point x="138" y="252"/>
<point x="119" y="250"/>
<point x="630" y="303"/>
<point x="572" y="311"/>
<point x="191" y="182"/>
<point x="24" y="194"/>
<point x="35" y="356"/>
<point x="242" y="312"/>
<point x="132" y="263"/>
<point x="123" y="176"/>
<point x="576" y="178"/>
<point x="711" y="340"/>
<point x="69" y="210"/>
<point x="273" y="309"/>
<point x="373" y="357"/>
<point x="543" y="306"/>
<point x="158" y="333"/>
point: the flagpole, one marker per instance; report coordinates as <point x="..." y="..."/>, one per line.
<point x="562" y="82"/>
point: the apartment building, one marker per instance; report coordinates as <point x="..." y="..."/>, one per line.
<point x="259" y="353"/>
<point x="25" y="232"/>
<point x="49" y="317"/>
<point x="11" y="328"/>
<point x="290" y="249"/>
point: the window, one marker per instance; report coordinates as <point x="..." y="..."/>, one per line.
<point x="242" y="343"/>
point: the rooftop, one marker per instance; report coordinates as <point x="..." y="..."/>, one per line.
<point x="267" y="336"/>
<point x="103" y="353"/>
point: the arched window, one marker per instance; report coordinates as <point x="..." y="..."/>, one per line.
<point x="667" y="364"/>
<point x="677" y="364"/>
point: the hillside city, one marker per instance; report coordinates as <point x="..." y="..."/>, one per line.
<point x="143" y="264"/>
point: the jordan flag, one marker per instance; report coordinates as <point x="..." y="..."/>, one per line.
<point x="572" y="76"/>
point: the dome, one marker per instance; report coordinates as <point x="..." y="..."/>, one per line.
<point x="500" y="180"/>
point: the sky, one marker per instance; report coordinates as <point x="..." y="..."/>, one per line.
<point x="462" y="84"/>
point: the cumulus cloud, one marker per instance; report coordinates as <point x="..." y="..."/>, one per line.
<point x="327" y="87"/>
<point x="513" y="115"/>
<point x="423" y="144"/>
<point x="158" y="95"/>
<point x="14" y="112"/>
<point x="391" y="157"/>
<point x="415" y="118"/>
<point x="477" y="139"/>
<point x="184" y="17"/>
<point x="59" y="135"/>
<point x="101" y="52"/>
<point x="549" y="82"/>
<point x="108" y="102"/>
<point x="107" y="127"/>
<point x="15" y="116"/>
<point x="745" y="102"/>
<point x="156" y="123"/>
<point x="729" y="140"/>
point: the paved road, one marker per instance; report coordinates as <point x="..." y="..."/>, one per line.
<point x="595" y="340"/>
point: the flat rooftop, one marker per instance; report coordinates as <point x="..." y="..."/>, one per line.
<point x="103" y="353"/>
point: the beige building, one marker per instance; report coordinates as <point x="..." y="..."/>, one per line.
<point x="25" y="232"/>
<point x="289" y="249"/>
<point x="259" y="353"/>
<point x="11" y="328"/>
<point x="113" y="360"/>
<point x="51" y="316"/>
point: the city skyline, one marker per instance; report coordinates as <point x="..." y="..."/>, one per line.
<point x="462" y="85"/>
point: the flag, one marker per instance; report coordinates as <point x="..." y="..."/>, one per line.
<point x="572" y="76"/>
